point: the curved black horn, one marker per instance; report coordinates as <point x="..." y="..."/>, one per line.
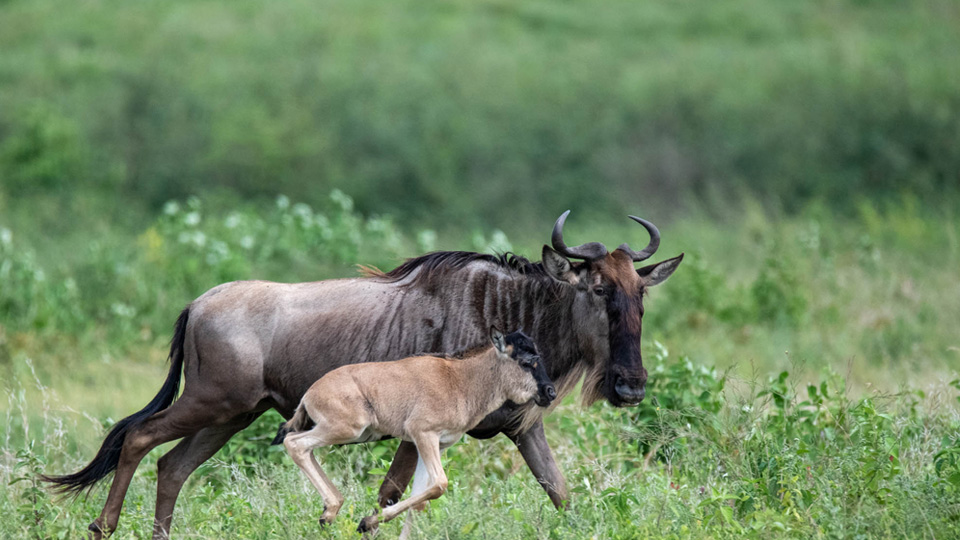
<point x="590" y="250"/>
<point x="651" y="248"/>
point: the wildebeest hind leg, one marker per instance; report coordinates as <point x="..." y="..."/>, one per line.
<point x="178" y="464"/>
<point x="184" y="417"/>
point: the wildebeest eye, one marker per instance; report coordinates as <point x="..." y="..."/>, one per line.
<point x="525" y="362"/>
<point x="600" y="291"/>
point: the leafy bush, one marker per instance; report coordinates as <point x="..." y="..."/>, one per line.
<point x="184" y="252"/>
<point x="42" y="152"/>
<point x="777" y="293"/>
<point x="431" y="131"/>
<point x="29" y="298"/>
<point x="682" y="397"/>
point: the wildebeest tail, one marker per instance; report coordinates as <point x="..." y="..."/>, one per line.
<point x="301" y="421"/>
<point x="109" y="454"/>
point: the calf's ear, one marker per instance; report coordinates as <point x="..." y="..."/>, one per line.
<point x="496" y="336"/>
<point x="656" y="274"/>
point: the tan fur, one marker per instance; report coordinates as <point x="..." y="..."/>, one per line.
<point x="429" y="400"/>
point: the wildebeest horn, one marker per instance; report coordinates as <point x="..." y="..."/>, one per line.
<point x="590" y="250"/>
<point x="651" y="248"/>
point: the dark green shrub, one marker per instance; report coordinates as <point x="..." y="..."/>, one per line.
<point x="43" y="151"/>
<point x="778" y="294"/>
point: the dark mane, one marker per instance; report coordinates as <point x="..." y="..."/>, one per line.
<point x="448" y="261"/>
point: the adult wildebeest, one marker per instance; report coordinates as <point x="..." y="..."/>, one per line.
<point x="430" y="401"/>
<point x="245" y="347"/>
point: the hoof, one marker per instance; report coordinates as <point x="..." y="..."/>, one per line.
<point x="97" y="531"/>
<point x="368" y="524"/>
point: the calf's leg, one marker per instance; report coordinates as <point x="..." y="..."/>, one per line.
<point x="300" y="446"/>
<point x="428" y="446"/>
<point x="419" y="486"/>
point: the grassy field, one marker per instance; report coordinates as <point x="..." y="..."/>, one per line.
<point x="803" y="359"/>
<point x="801" y="388"/>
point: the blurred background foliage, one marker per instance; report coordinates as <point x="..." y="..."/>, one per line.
<point x="804" y="155"/>
<point x="480" y="112"/>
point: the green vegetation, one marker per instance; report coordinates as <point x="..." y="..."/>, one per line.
<point x="482" y="111"/>
<point x="806" y="452"/>
<point x="803" y="360"/>
<point x="762" y="461"/>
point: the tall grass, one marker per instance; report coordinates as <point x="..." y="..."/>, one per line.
<point x="808" y="396"/>
<point x="707" y="457"/>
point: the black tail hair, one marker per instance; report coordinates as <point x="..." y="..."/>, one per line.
<point x="301" y="421"/>
<point x="109" y="454"/>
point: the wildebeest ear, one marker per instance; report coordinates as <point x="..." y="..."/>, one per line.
<point x="656" y="274"/>
<point x="496" y="336"/>
<point x="558" y="266"/>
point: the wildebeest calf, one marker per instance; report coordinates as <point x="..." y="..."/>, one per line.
<point x="428" y="400"/>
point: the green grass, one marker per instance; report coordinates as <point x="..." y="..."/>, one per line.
<point x="770" y="460"/>
<point x="806" y="392"/>
<point x="802" y="154"/>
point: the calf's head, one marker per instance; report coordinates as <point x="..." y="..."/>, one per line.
<point x="608" y="308"/>
<point x="532" y="381"/>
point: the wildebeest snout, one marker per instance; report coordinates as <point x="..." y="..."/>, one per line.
<point x="631" y="390"/>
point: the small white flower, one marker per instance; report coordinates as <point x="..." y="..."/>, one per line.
<point x="499" y="242"/>
<point x="220" y="248"/>
<point x="246" y="242"/>
<point x="123" y="310"/>
<point x="427" y="240"/>
<point x="342" y="200"/>
<point x="283" y="202"/>
<point x="6" y="237"/>
<point x="192" y="219"/>
<point x="303" y="211"/>
<point x="232" y="221"/>
<point x="171" y="208"/>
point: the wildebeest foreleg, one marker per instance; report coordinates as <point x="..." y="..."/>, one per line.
<point x="178" y="464"/>
<point x="536" y="452"/>
<point x="399" y="474"/>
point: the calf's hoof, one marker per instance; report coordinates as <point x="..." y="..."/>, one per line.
<point x="324" y="518"/>
<point x="368" y="524"/>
